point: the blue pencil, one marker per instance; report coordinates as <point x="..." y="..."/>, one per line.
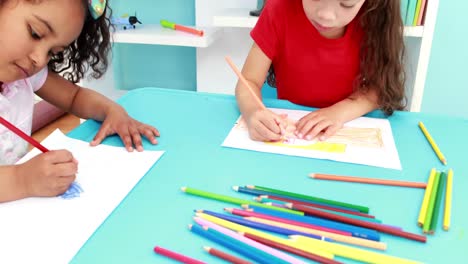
<point x="354" y="230"/>
<point x="261" y="226"/>
<point x="237" y="246"/>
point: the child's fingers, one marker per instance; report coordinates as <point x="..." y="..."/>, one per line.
<point x="100" y="135"/>
<point x="150" y="133"/>
<point x="265" y="134"/>
<point x="136" y="139"/>
<point x="329" y="131"/>
<point x="59" y="156"/>
<point x="126" y="138"/>
<point x="316" y="129"/>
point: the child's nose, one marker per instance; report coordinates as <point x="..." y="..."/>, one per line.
<point x="39" y="57"/>
<point x="326" y="13"/>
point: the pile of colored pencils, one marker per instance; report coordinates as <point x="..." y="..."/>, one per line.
<point x="431" y="205"/>
<point x="277" y="222"/>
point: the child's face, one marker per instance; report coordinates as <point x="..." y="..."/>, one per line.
<point x="330" y="17"/>
<point x="33" y="30"/>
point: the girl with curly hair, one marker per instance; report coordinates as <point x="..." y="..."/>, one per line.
<point x="341" y="56"/>
<point x="46" y="47"/>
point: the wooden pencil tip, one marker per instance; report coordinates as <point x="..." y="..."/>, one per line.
<point x="312" y="175"/>
<point x="446" y="228"/>
<point x="250" y="186"/>
<point x="207" y="249"/>
<point x="183" y="189"/>
<point x="235" y="188"/>
<point x="228" y="210"/>
<point x="245" y="206"/>
<point x="190" y="226"/>
<point x="198" y="211"/>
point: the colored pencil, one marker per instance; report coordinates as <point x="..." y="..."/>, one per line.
<point x="290" y="249"/>
<point x="233" y="200"/>
<point x="303" y="209"/>
<point x="235" y="235"/>
<point x="245" y="82"/>
<point x="355" y="231"/>
<point x="23" y="135"/>
<point x="448" y="201"/>
<point x="262" y="226"/>
<point x="236" y="245"/>
<point x="427" y="195"/>
<point x="430" y="205"/>
<point x="289" y="220"/>
<point x="378" y="227"/>
<point x="241" y="228"/>
<point x="330" y="177"/>
<point x="433" y="143"/>
<point x="351" y="252"/>
<point x="362" y="209"/>
<point x="176" y="256"/>
<point x="337" y="237"/>
<point x="438" y="202"/>
<point x="292" y="202"/>
<point x="225" y="256"/>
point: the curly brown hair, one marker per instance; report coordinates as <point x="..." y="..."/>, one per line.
<point x="90" y="49"/>
<point x="382" y="54"/>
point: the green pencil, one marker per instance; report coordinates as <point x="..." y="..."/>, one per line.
<point x="430" y="206"/>
<point x="233" y="200"/>
<point x="438" y="202"/>
<point x="362" y="209"/>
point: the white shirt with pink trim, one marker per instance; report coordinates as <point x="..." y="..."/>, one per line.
<point x="16" y="106"/>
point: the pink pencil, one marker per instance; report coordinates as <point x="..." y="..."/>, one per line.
<point x="176" y="256"/>
<point x="367" y="180"/>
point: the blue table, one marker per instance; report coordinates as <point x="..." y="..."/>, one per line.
<point x="193" y="126"/>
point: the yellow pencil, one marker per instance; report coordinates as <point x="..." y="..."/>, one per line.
<point x="448" y="201"/>
<point x="433" y="144"/>
<point x="427" y="194"/>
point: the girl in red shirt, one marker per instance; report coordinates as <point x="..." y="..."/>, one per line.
<point x="342" y="56"/>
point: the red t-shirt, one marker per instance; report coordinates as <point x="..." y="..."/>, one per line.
<point x="310" y="69"/>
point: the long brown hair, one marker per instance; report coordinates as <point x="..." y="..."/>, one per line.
<point x="382" y="54"/>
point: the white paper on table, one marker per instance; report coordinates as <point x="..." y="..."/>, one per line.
<point x="52" y="230"/>
<point x="385" y="156"/>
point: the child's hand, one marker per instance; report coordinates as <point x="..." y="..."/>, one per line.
<point x="47" y="174"/>
<point x="130" y="130"/>
<point x="264" y="125"/>
<point x="323" y="123"/>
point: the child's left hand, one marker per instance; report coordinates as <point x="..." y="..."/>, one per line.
<point x="323" y="123"/>
<point x="130" y="130"/>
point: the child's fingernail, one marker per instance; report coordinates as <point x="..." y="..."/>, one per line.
<point x="309" y="137"/>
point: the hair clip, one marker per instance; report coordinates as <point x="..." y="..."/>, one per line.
<point x="96" y="8"/>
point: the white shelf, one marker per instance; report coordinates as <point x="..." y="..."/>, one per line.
<point x="239" y="17"/>
<point x="157" y="35"/>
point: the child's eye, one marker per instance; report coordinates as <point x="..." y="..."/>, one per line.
<point x="34" y="34"/>
<point x="346" y="6"/>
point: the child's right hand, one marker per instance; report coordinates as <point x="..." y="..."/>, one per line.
<point x="264" y="125"/>
<point x="47" y="174"/>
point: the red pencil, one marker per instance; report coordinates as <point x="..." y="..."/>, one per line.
<point x="176" y="256"/>
<point x="330" y="177"/>
<point x="23" y="135"/>
<point x="226" y="256"/>
<point x="290" y="249"/>
<point x="356" y="222"/>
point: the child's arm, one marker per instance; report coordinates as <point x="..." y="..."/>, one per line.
<point x="47" y="174"/>
<point x="87" y="103"/>
<point x="263" y="125"/>
<point x="326" y="121"/>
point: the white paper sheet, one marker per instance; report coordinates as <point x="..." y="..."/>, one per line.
<point x="370" y="142"/>
<point x="52" y="230"/>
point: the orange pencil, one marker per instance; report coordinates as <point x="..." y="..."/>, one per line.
<point x="244" y="82"/>
<point x="367" y="180"/>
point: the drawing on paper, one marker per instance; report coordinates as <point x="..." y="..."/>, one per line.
<point x="346" y="136"/>
<point x="73" y="192"/>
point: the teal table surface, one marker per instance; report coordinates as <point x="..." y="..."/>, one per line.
<point x="193" y="126"/>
